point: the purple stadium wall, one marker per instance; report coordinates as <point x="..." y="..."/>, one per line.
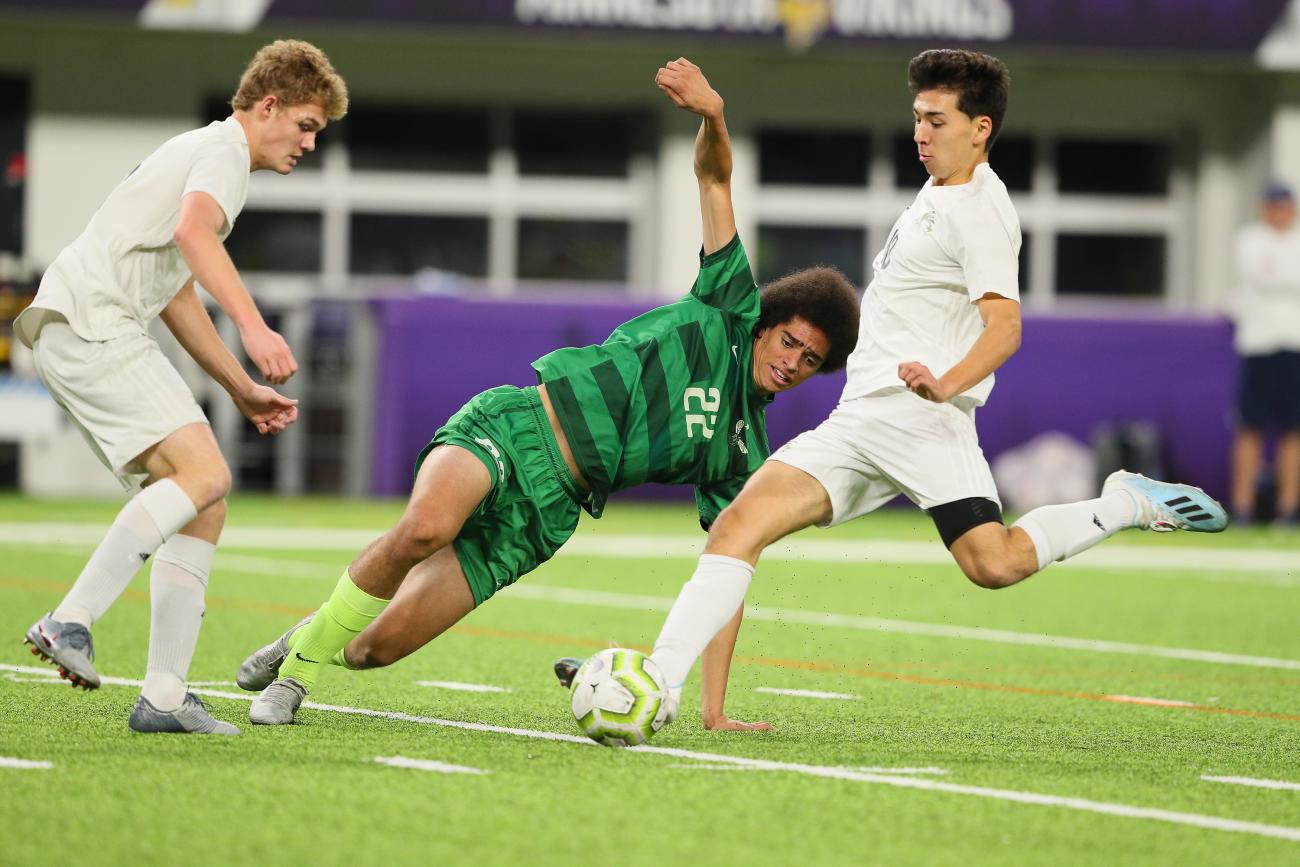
<point x="1071" y="375"/>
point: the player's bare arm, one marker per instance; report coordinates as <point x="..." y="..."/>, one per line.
<point x="1000" y="340"/>
<point x="715" y="668"/>
<point x="187" y="319"/>
<point x="198" y="239"/>
<point x="684" y="83"/>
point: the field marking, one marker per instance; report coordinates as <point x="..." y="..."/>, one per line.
<point x="938" y="772"/>
<point x="1145" y="558"/>
<point x="462" y="687"/>
<point x="1127" y="811"/>
<point x="1251" y="781"/>
<point x="24" y="764"/>
<point x="610" y="599"/>
<point x="427" y="765"/>
<point x="771" y="662"/>
<point x="1155" y="702"/>
<point x="806" y="693"/>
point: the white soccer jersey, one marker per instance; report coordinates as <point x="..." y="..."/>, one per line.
<point x="125" y="268"/>
<point x="1268" y="289"/>
<point x="952" y="246"/>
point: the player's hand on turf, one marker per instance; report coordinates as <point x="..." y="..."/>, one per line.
<point x="921" y="381"/>
<point x="686" y="86"/>
<point x="269" y="352"/>
<point x="266" y="408"/>
<point x="722" y="723"/>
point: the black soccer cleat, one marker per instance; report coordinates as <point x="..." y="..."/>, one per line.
<point x="566" y="669"/>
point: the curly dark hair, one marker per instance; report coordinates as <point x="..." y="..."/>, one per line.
<point x="825" y="299"/>
<point x="980" y="81"/>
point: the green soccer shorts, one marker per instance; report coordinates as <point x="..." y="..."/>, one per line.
<point x="533" y="506"/>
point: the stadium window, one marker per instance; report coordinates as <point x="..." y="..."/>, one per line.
<point x="1114" y="167"/>
<point x="574" y="144"/>
<point x="1023" y="275"/>
<point x="813" y="158"/>
<point x="782" y="249"/>
<point x="405" y="244"/>
<point x="1129" y="266"/>
<point x="909" y="174"/>
<point x="580" y="250"/>
<point x="276" y="241"/>
<point x="417" y="139"/>
<point x="13" y="162"/>
<point x="1012" y="158"/>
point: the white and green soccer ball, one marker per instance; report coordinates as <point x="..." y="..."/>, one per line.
<point x="620" y="698"/>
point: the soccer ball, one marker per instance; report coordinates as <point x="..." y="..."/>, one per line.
<point x="619" y="697"/>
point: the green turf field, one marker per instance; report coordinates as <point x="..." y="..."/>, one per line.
<point x="1068" y="721"/>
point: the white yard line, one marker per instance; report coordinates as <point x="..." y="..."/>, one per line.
<point x="1250" y="781"/>
<point x="607" y="599"/>
<point x="427" y="765"/>
<point x="1157" y="702"/>
<point x="938" y="772"/>
<point x="1280" y="564"/>
<point x="525" y="591"/>
<point x="1196" y="820"/>
<point x="24" y="764"/>
<point x="806" y="693"/>
<point x="461" y="687"/>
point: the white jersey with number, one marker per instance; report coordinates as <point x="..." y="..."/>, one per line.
<point x="950" y="248"/>
<point x="125" y="267"/>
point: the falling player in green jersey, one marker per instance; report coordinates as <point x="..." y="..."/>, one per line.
<point x="676" y="395"/>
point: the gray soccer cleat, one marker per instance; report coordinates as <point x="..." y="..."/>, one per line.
<point x="68" y="646"/>
<point x="278" y="703"/>
<point x="263" y="665"/>
<point x="191" y="717"/>
<point x="1165" y="506"/>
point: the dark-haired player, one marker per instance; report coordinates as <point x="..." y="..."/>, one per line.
<point x="942" y="313"/>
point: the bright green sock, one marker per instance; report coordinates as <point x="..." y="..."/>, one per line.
<point x="348" y="611"/>
<point x="341" y="660"/>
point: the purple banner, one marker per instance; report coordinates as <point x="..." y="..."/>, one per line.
<point x="1071" y="375"/>
<point x="1231" y="26"/>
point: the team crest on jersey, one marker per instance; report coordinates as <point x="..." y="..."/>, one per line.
<point x="738" y="437"/>
<point x="927" y="221"/>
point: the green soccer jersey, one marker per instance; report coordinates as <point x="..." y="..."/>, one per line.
<point x="670" y="396"/>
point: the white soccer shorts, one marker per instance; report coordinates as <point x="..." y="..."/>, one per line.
<point x="123" y="393"/>
<point x="872" y="448"/>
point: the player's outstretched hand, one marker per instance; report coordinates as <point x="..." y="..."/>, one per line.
<point x="687" y="87"/>
<point x="266" y="408"/>
<point x="269" y="352"/>
<point x="722" y="723"/>
<point x="921" y="381"/>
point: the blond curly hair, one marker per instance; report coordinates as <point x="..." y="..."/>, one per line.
<point x="295" y="71"/>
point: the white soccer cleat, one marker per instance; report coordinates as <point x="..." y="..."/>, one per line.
<point x="1165" y="506"/>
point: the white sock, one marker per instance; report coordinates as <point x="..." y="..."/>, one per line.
<point x="706" y="603"/>
<point x="1062" y="531"/>
<point x="176" y="585"/>
<point x="148" y="518"/>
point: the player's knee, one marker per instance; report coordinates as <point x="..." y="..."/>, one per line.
<point x="991" y="574"/>
<point x="210" y="486"/>
<point x="732" y="532"/>
<point x="421" y="535"/>
<point x="366" y="653"/>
